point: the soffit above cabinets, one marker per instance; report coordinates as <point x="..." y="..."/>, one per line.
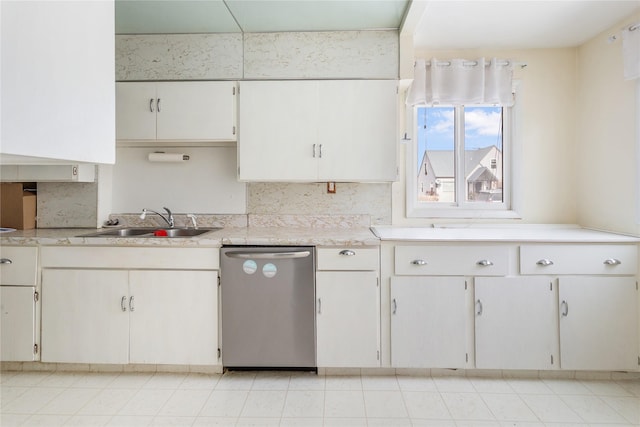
<point x="252" y="16"/>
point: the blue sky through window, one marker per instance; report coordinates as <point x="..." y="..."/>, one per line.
<point x="483" y="128"/>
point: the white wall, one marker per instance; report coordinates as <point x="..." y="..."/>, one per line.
<point x="546" y="127"/>
<point x="607" y="136"/>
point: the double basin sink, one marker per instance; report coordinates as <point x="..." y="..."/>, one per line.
<point x="150" y="232"/>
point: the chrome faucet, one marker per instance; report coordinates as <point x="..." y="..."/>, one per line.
<point x="168" y="219"/>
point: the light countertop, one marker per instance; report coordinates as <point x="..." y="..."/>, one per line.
<point x="273" y="236"/>
<point x="300" y="236"/>
<point x="524" y="233"/>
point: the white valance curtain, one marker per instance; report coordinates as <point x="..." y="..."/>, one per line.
<point x="631" y="51"/>
<point x="462" y="82"/>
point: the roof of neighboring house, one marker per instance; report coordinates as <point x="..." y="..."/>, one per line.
<point x="482" y="174"/>
<point x="442" y="161"/>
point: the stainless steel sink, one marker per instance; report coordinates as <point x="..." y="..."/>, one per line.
<point x="185" y="232"/>
<point x="150" y="232"/>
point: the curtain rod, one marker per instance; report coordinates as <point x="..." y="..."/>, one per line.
<point x="632" y="27"/>
<point x="475" y="63"/>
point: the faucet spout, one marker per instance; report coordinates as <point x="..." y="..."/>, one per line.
<point x="168" y="219"/>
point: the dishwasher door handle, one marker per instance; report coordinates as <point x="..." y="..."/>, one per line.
<point x="268" y="255"/>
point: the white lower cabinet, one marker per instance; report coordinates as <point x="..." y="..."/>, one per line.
<point x="347" y="319"/>
<point x="174" y="317"/>
<point x="18" y="323"/>
<point x="85" y="317"/>
<point x="120" y="316"/>
<point x="598" y="323"/>
<point x="347" y="307"/>
<point x="515" y="323"/>
<point x="19" y="304"/>
<point x="428" y="322"/>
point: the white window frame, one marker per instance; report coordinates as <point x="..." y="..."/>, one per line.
<point x="462" y="208"/>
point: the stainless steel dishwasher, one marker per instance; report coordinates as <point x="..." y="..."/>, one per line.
<point x="267" y="301"/>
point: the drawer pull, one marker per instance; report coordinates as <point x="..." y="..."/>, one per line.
<point x="565" y="308"/>
<point x="131" y="306"/>
<point x="484" y="263"/>
<point x="123" y="301"/>
<point x="419" y="262"/>
<point x="479" y="308"/>
<point x="347" y="252"/>
<point x="395" y="306"/>
<point x="544" y="262"/>
<point x="5" y="261"/>
<point x="319" y="306"/>
<point x="612" y="261"/>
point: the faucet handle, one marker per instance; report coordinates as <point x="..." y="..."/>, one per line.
<point x="194" y="220"/>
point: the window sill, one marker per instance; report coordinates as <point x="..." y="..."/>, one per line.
<point x="446" y="213"/>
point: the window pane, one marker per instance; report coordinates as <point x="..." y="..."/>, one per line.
<point x="483" y="154"/>
<point x="436" y="154"/>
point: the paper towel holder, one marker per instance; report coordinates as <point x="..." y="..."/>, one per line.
<point x="161" y="156"/>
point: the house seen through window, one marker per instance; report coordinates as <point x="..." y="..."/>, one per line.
<point x="460" y="162"/>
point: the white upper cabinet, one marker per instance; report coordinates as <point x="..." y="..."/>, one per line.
<point x="309" y="131"/>
<point x="203" y="111"/>
<point x="58" y="81"/>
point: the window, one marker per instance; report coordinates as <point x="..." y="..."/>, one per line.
<point x="460" y="162"/>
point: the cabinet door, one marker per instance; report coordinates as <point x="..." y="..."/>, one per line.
<point x="58" y="78"/>
<point x="358" y="130"/>
<point x="347" y="319"/>
<point x="136" y="110"/>
<point x="279" y="136"/>
<point x="598" y="323"/>
<point x="18" y="323"/>
<point x="85" y="316"/>
<point x="428" y="322"/>
<point x="174" y="317"/>
<point x="515" y="323"/>
<point x="196" y="111"/>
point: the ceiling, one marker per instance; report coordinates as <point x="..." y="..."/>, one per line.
<point x="517" y="24"/>
<point x="443" y="24"/>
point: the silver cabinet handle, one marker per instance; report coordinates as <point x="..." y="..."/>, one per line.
<point x="320" y="149"/>
<point x="545" y="262"/>
<point x="122" y="303"/>
<point x="612" y="261"/>
<point x="419" y="262"/>
<point x="479" y="308"/>
<point x="158" y="105"/>
<point x="319" y="306"/>
<point x="131" y="306"/>
<point x="395" y="306"/>
<point x="347" y="252"/>
<point x="484" y="263"/>
<point x="151" y="105"/>
<point x="5" y="261"/>
<point x="314" y="150"/>
<point x="565" y="306"/>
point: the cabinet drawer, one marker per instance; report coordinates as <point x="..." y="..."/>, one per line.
<point x="19" y="266"/>
<point x="579" y="259"/>
<point x="452" y="260"/>
<point x="131" y="257"/>
<point x="354" y="258"/>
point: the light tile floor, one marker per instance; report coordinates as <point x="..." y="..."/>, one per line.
<point x="304" y="399"/>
